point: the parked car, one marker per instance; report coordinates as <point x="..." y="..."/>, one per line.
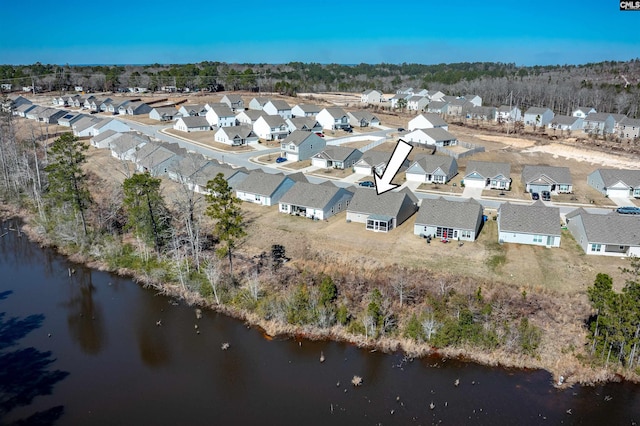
<point x="401" y="129"/>
<point x="546" y="195"/>
<point x="535" y="196"/>
<point x="367" y="183"/>
<point x="348" y="129"/>
<point x="280" y="160"/>
<point x="628" y="210"/>
<point x="320" y="134"/>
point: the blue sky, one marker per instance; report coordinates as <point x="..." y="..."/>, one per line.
<point x="326" y="31"/>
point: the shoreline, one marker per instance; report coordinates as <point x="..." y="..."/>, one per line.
<point x="573" y="373"/>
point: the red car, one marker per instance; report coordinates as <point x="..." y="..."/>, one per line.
<point x="320" y="134"/>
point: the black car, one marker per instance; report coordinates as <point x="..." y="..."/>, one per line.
<point x="546" y="195"/>
<point x="535" y="196"/>
<point x="367" y="183"/>
<point x="348" y="129"/>
<point x="401" y="129"/>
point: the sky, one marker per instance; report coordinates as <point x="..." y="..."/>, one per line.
<point x="538" y="32"/>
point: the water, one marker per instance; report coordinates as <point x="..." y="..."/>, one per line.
<point x="89" y="351"/>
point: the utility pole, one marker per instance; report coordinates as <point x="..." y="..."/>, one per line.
<point x="510" y="109"/>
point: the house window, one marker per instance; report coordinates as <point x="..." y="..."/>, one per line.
<point x="596" y="248"/>
<point x="444" y="232"/>
<point x="465" y="234"/>
<point x="563" y="188"/>
<point x="537" y="238"/>
<point x="257" y="197"/>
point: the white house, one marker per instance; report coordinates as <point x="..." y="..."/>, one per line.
<point x="308" y="124"/>
<point x="508" y="113"/>
<point x="270" y="127"/>
<point x="371" y="96"/>
<point x="236" y="135"/>
<point x="629" y="128"/>
<point x="427" y="121"/>
<point x="110" y="124"/>
<point x="610" y="234"/>
<point x="264" y="188"/>
<point x="450" y="220"/>
<point x="249" y="116"/>
<point x="192" y="110"/>
<point x="278" y="107"/>
<point x="301" y="145"/>
<point x="534" y="224"/>
<point x="488" y="174"/>
<point x="315" y="201"/>
<point x="195" y="123"/>
<point x="305" y="110"/>
<point x="333" y="118"/>
<point x="432" y="169"/>
<point x="565" y="123"/>
<point x="234" y="102"/>
<point x="337" y="157"/>
<point x="258" y="103"/>
<point x="383" y="212"/>
<point x="221" y="116"/>
<point x="362" y="119"/>
<point x="582" y="112"/>
<point x="547" y="178"/>
<point x="598" y="123"/>
<point x="417" y="103"/>
<point x="535" y="116"/>
<point x="616" y="183"/>
<point x="436" y="136"/>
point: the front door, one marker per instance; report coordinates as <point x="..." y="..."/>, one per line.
<point x="549" y="240"/>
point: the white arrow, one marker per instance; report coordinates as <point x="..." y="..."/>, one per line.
<point x="400" y="153"/>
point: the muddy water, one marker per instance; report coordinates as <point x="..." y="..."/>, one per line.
<point x="87" y="349"/>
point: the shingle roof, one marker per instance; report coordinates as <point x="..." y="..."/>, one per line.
<point x="488" y="169"/>
<point x="612" y="228"/>
<point x="438" y="134"/>
<point x="253" y="114"/>
<point x="280" y="105"/>
<point x="309" y="108"/>
<point x="611" y="176"/>
<point x="529" y="219"/>
<point x="336" y="112"/>
<point x="189" y="164"/>
<point x="363" y="115"/>
<point x="222" y="110"/>
<point x="430" y="163"/>
<point x="559" y="175"/>
<point x="127" y="141"/>
<point x="339" y="153"/>
<point x="241" y="131"/>
<point x="564" y="120"/>
<point x="259" y="182"/>
<point x="597" y="116"/>
<point x="450" y="214"/>
<point x="104" y="135"/>
<point x="367" y="201"/>
<point x="536" y="110"/>
<point x="631" y="122"/>
<point x="211" y="170"/>
<point x="274" y="121"/>
<point x="297" y="137"/>
<point x="300" y="122"/>
<point x="311" y="195"/>
<point x="195" y="121"/>
<point x="374" y="158"/>
<point x="434" y="119"/>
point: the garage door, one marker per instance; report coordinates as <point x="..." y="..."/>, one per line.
<point x="618" y="192"/>
<point x="415" y="177"/>
<point x="539" y="188"/>
<point x="474" y="183"/>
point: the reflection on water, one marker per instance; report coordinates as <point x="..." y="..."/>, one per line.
<point x="151" y="338"/>
<point x="84" y="315"/>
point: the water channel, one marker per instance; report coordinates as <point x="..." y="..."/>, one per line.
<point x="92" y="348"/>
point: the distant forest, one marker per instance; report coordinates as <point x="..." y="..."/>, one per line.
<point x="607" y="86"/>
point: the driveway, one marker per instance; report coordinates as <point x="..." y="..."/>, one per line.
<point x="470" y="192"/>
<point x="622" y="201"/>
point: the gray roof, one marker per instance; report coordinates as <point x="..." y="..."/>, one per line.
<point x="103" y="123"/>
<point x="434" y="119"/>
<point x="262" y="100"/>
<point x="558" y="175"/>
<point x="25" y="107"/>
<point x="241" y="131"/>
<point x="612" y="228"/>
<point x="155" y="157"/>
<point x="430" y="163"/>
<point x="375" y="158"/>
<point x="597" y="116"/>
<point x="584" y="109"/>
<point x="363" y="115"/>
<point x="439" y="134"/>
<point x="127" y="141"/>
<point x="618" y="117"/>
<point x="253" y="114"/>
<point x="197" y="108"/>
<point x="629" y="177"/>
<point x="259" y="182"/>
<point x="300" y="122"/>
<point x="631" y="122"/>
<point x="536" y="110"/>
<point x="275" y="121"/>
<point x="311" y="195"/>
<point x="437" y="104"/>
<point x="338" y="153"/>
<point x="195" y="121"/>
<point x="309" y="108"/>
<point x="336" y="112"/>
<point x="104" y="135"/>
<point x="367" y="201"/>
<point x="297" y="137"/>
<point x="535" y="219"/>
<point x="450" y="214"/>
<point x="211" y="170"/>
<point x="564" y="120"/>
<point x="506" y="108"/>
<point x="222" y="110"/>
<point x="234" y="99"/>
<point x="297" y="177"/>
<point x="189" y="164"/>
<point x="86" y="122"/>
<point x="488" y="169"/>
<point x="280" y="105"/>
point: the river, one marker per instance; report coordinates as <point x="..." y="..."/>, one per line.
<point x="92" y="348"/>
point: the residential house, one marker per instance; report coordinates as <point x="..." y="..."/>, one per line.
<point x="264" y="188"/>
<point x="566" y="123"/>
<point x="84" y="126"/>
<point x="192" y="110"/>
<point x="488" y="174"/>
<point x="278" y="107"/>
<point x="458" y="107"/>
<point x="610" y="234"/>
<point x="34" y="113"/>
<point x="333" y="118"/>
<point x="427" y="121"/>
<point x="508" y="113"/>
<point x="233" y="176"/>
<point x="301" y="145"/>
<point x="616" y="183"/>
<point x="69" y="118"/>
<point x="449" y="220"/>
<point x="482" y="113"/>
<point x="157" y="158"/>
<point x="629" y="128"/>
<point x="598" y="123"/>
<point x="305" y="110"/>
<point x="547" y="178"/>
<point x="271" y="127"/>
<point x="337" y="157"/>
<point x="371" y="96"/>
<point x="135" y="108"/>
<point x="618" y="119"/>
<point x="234" y="102"/>
<point x="221" y="116"/>
<point x="537" y="117"/>
<point x="405" y="91"/>
<point x="534" y="224"/>
<point x="183" y="170"/>
<point x="236" y="135"/>
<point x="109" y="124"/>
<point x="52" y="115"/>
<point x="315" y="201"/>
<point x="249" y="116"/>
<point x="258" y="103"/>
<point x="22" y="110"/>
<point x="375" y="162"/>
<point x="432" y="169"/>
<point x="195" y="123"/>
<point x="436" y="136"/>
<point x="384" y="212"/>
<point x="163" y="113"/>
<point x="582" y="112"/>
<point x="398" y="99"/>
<point x="362" y="119"/>
<point x="115" y="107"/>
<point x="474" y="99"/>
<point x="103" y="139"/>
<point x="437" y="107"/>
<point x="127" y="145"/>
<point x="417" y="103"/>
<point x="308" y="124"/>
